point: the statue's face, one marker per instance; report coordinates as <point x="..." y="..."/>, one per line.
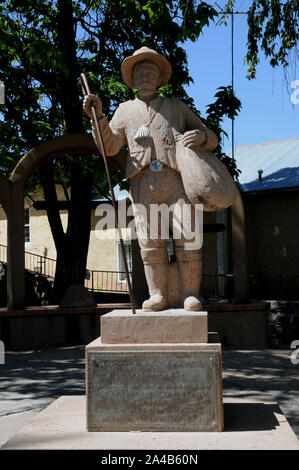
<point x="146" y="77"/>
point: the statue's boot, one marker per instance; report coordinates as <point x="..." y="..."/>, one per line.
<point x="190" y="268"/>
<point x="157" y="281"/>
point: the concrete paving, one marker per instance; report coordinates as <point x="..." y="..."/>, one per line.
<point x="249" y="425"/>
<point x="253" y="373"/>
<point x="11" y="424"/>
<point x="31" y="380"/>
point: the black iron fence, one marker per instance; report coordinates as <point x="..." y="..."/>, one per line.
<point x="3" y="253"/>
<point x="274" y="286"/>
<point x="217" y="285"/>
<point x="34" y="262"/>
<point x="261" y="286"/>
<point x="106" y="281"/>
<point x="40" y="264"/>
<point x="98" y="281"/>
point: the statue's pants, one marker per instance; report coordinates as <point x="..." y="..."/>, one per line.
<point x="150" y="189"/>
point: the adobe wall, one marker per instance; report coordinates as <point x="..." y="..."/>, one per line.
<point x="102" y="255"/>
<point x="273" y="232"/>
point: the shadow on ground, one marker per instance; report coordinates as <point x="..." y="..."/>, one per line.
<point x="33" y="379"/>
<point x="264" y="372"/>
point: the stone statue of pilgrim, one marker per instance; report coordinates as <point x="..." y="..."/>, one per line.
<point x="152" y="127"/>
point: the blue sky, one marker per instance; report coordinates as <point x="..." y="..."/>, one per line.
<point x="267" y="112"/>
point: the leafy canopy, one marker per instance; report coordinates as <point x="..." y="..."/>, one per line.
<point x="273" y="29"/>
<point x="41" y="60"/>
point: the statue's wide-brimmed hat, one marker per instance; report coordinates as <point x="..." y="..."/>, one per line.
<point x="149" y="55"/>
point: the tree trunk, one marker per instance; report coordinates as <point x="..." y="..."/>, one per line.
<point x="72" y="245"/>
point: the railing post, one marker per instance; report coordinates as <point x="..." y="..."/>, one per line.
<point x="15" y="248"/>
<point x="239" y="247"/>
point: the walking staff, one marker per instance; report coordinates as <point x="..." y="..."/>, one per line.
<point x="85" y="90"/>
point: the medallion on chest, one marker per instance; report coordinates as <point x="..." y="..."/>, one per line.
<point x="144" y="132"/>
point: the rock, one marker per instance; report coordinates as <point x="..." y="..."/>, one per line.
<point x="77" y="296"/>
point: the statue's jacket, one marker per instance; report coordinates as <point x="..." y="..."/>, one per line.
<point x="166" y="118"/>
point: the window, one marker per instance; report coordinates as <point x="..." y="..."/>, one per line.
<point x="120" y="261"/>
<point x="27" y="225"/>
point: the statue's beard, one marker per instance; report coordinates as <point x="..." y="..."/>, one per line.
<point x="146" y="89"/>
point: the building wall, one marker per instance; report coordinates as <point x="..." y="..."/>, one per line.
<point x="103" y="250"/>
<point x="209" y="249"/>
<point x="40" y="232"/>
<point x="273" y="232"/>
<point x="3" y="227"/>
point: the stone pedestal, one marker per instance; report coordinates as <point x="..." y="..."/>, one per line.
<point x="154" y="372"/>
<point x="168" y="326"/>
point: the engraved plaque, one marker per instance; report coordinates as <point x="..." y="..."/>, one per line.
<point x="169" y="390"/>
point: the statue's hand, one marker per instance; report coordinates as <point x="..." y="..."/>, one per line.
<point x="194" y="138"/>
<point x="88" y="100"/>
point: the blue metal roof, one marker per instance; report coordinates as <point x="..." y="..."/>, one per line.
<point x="279" y="161"/>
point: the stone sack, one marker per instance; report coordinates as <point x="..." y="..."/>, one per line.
<point x="206" y="180"/>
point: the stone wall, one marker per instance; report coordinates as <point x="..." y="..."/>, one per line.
<point x="283" y="322"/>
